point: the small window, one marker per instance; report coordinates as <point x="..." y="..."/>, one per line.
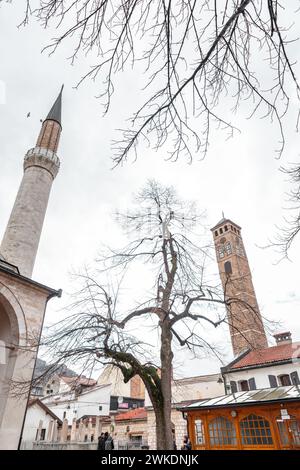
<point x="92" y="438"/>
<point x="43" y="434"/>
<point x="252" y="384"/>
<point x="221" y="230"/>
<point x="65" y="414"/>
<point x="231" y="227"/>
<point x="85" y="438"/>
<point x="216" y="233"/>
<point x="284" y="380"/>
<point x="199" y="432"/>
<point x="234" y="229"/>
<point x="244" y="386"/>
<point x="100" y="408"/>
<point x="225" y="228"/>
<point x="273" y="381"/>
<point x="295" y="378"/>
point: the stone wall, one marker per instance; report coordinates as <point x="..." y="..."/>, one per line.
<point x="179" y="425"/>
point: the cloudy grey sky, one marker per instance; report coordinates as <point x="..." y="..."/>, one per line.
<point x="239" y="176"/>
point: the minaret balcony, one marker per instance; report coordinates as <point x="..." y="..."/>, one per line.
<point x="42" y="157"/>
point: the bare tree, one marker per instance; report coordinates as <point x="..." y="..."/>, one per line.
<point x="103" y="328"/>
<point x="200" y="60"/>
<point x="290" y="229"/>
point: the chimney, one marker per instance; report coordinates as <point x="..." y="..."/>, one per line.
<point x="283" y="338"/>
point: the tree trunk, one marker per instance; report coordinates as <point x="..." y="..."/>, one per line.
<point x="161" y="442"/>
<point x="166" y="357"/>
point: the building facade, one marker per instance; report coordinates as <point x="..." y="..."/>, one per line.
<point x="41" y="424"/>
<point x="272" y="367"/>
<point x="267" y="419"/>
<point x="22" y="300"/>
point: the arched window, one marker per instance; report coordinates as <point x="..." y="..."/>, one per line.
<point x="222" y="432"/>
<point x="228" y="248"/>
<point x="221" y="251"/>
<point x="228" y="267"/>
<point x="255" y="430"/>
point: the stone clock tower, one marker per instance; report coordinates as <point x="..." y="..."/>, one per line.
<point x="244" y="318"/>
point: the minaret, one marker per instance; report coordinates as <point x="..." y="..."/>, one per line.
<point x="244" y="318"/>
<point x="41" y="164"/>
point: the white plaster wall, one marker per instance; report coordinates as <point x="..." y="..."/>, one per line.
<point x="33" y="416"/>
<point x="261" y="374"/>
<point x="85" y="404"/>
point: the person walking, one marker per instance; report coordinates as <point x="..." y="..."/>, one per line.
<point x="101" y="442"/>
<point x="109" y="443"/>
<point x="187" y="445"/>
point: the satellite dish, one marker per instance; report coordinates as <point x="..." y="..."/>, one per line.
<point x="120" y="400"/>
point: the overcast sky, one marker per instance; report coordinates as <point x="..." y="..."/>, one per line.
<point x="239" y="176"/>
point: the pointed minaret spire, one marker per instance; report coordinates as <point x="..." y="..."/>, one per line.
<point x="55" y="112"/>
<point x="41" y="164"/>
<point x="51" y="128"/>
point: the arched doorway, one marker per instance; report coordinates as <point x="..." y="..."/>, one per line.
<point x="9" y="339"/>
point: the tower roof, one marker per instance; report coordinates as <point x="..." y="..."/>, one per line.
<point x="223" y="221"/>
<point x="55" y="112"/>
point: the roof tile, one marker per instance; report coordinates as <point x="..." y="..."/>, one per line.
<point x="137" y="413"/>
<point x="282" y="352"/>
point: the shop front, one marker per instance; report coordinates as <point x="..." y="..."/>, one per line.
<point x="267" y="419"/>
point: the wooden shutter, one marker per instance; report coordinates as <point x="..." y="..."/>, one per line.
<point x="295" y="378"/>
<point x="252" y="384"/>
<point x="233" y="386"/>
<point x="273" y="381"/>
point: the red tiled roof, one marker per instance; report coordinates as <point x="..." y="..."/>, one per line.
<point x="282" y="352"/>
<point x="137" y="413"/>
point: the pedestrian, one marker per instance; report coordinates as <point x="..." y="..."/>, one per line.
<point x="187" y="445"/>
<point x="101" y="442"/>
<point x="109" y="443"/>
<point x="174" y="441"/>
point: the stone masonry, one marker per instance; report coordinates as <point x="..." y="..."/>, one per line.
<point x="244" y="318"/>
